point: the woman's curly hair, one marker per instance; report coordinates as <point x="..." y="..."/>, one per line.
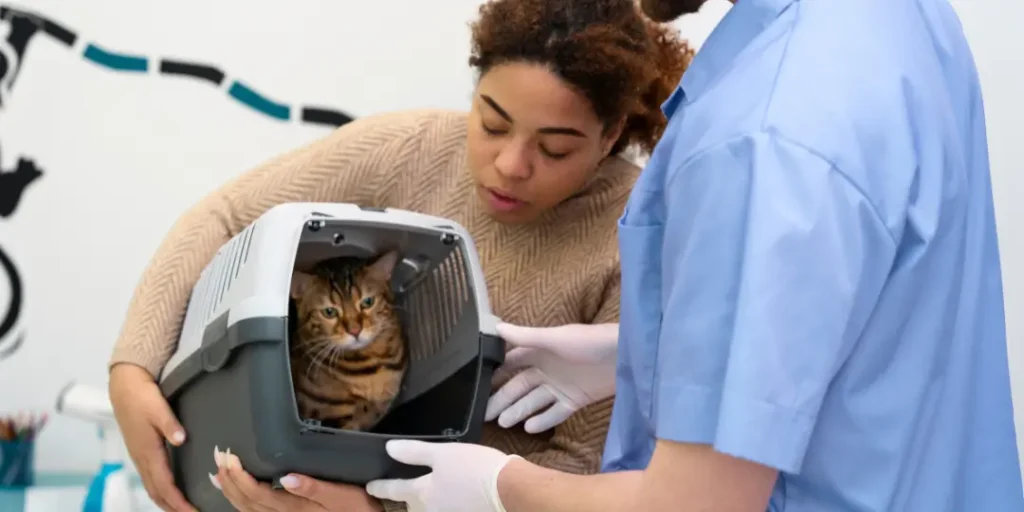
<point x="624" y="63"/>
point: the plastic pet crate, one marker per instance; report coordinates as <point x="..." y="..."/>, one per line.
<point x="229" y="381"/>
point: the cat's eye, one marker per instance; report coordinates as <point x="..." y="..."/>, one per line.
<point x="367" y="302"/>
<point x="329" y="312"/>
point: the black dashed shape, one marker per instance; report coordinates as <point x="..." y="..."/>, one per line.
<point x="52" y="28"/>
<point x="209" y="73"/>
<point x="325" y="116"/>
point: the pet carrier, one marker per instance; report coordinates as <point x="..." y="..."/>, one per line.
<point x="229" y="381"/>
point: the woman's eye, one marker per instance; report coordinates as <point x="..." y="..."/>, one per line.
<point x="492" y="131"/>
<point x="329" y="312"/>
<point x="549" y="154"/>
<point x="367" y="302"/>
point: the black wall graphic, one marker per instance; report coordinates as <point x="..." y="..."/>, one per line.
<point x="24" y="26"/>
<point x="9" y="341"/>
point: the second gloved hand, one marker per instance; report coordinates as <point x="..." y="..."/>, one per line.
<point x="560" y="371"/>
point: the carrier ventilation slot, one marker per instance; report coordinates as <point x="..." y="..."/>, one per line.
<point x="216" y="282"/>
<point x="222" y="273"/>
<point x="437" y="302"/>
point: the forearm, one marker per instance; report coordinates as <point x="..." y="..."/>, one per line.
<point x="526" y="487"/>
<point x="155" y="312"/>
<point x="680" y="476"/>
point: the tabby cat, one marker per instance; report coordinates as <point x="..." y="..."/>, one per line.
<point x="348" y="354"/>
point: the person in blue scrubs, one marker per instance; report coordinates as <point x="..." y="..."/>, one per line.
<point x="812" y="313"/>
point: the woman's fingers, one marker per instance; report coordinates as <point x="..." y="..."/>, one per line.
<point x="249" y="495"/>
<point x="145" y="418"/>
<point x="151" y="460"/>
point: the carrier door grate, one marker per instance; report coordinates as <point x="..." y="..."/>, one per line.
<point x="434" y="305"/>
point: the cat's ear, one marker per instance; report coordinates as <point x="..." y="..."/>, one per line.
<point x="383" y="266"/>
<point x="301" y="282"/>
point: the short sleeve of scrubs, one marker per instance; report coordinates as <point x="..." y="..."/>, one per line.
<point x="772" y="261"/>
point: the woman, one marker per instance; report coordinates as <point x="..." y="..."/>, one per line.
<point x="532" y="171"/>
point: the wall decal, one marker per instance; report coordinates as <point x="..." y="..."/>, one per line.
<point x="22" y="27"/>
<point x="29" y="24"/>
<point x="10" y="344"/>
<point x="13" y="184"/>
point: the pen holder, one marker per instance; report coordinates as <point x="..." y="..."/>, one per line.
<point x="16" y="463"/>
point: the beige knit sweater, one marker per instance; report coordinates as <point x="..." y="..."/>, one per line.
<point x="564" y="270"/>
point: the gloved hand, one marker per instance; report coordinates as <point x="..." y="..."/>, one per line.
<point x="464" y="477"/>
<point x="562" y="369"/>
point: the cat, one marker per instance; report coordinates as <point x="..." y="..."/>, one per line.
<point x="348" y="352"/>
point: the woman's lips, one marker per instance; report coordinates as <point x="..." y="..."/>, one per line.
<point x="502" y="202"/>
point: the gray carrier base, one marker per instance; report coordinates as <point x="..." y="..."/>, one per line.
<point x="230" y="380"/>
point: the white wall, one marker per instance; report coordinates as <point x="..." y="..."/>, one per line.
<point x="125" y="153"/>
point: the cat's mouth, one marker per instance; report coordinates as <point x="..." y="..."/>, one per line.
<point x="353" y="343"/>
<point x="348" y="343"/>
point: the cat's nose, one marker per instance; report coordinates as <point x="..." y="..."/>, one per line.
<point x="354" y="329"/>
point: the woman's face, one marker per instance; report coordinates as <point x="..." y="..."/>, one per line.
<point x="532" y="141"/>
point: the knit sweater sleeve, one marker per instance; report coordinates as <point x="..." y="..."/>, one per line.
<point x="394" y="506"/>
<point x="577" y="445"/>
<point x="348" y="165"/>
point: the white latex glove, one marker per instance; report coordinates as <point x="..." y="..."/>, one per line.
<point x="464" y="477"/>
<point x="561" y="370"/>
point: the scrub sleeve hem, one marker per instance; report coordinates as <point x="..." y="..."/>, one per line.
<point x="733" y="423"/>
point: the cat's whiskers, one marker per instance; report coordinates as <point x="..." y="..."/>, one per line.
<point x="317" y="350"/>
<point x="316" y="363"/>
<point x="336" y="353"/>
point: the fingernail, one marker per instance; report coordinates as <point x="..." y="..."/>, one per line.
<point x="289" y="482"/>
<point x="217" y="458"/>
<point x="214" y="481"/>
<point x="178" y="437"/>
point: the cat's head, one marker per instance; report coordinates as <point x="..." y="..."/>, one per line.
<point x="344" y="305"/>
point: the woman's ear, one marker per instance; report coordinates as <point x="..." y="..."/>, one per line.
<point x="611" y="136"/>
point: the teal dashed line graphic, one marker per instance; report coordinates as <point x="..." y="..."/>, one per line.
<point x="25" y="25"/>
<point x="115" y="61"/>
<point x="253" y="99"/>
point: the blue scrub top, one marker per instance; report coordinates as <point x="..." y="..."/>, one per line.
<point x="810" y="273"/>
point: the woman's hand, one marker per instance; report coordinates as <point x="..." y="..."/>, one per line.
<point x="302" y="494"/>
<point x="145" y="420"/>
<point x="560" y="371"/>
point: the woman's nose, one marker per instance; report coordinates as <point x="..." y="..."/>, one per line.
<point x="513" y="163"/>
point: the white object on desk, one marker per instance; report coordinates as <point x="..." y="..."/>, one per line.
<point x="111" y="489"/>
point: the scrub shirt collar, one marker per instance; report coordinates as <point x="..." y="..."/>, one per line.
<point x="741" y="24"/>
